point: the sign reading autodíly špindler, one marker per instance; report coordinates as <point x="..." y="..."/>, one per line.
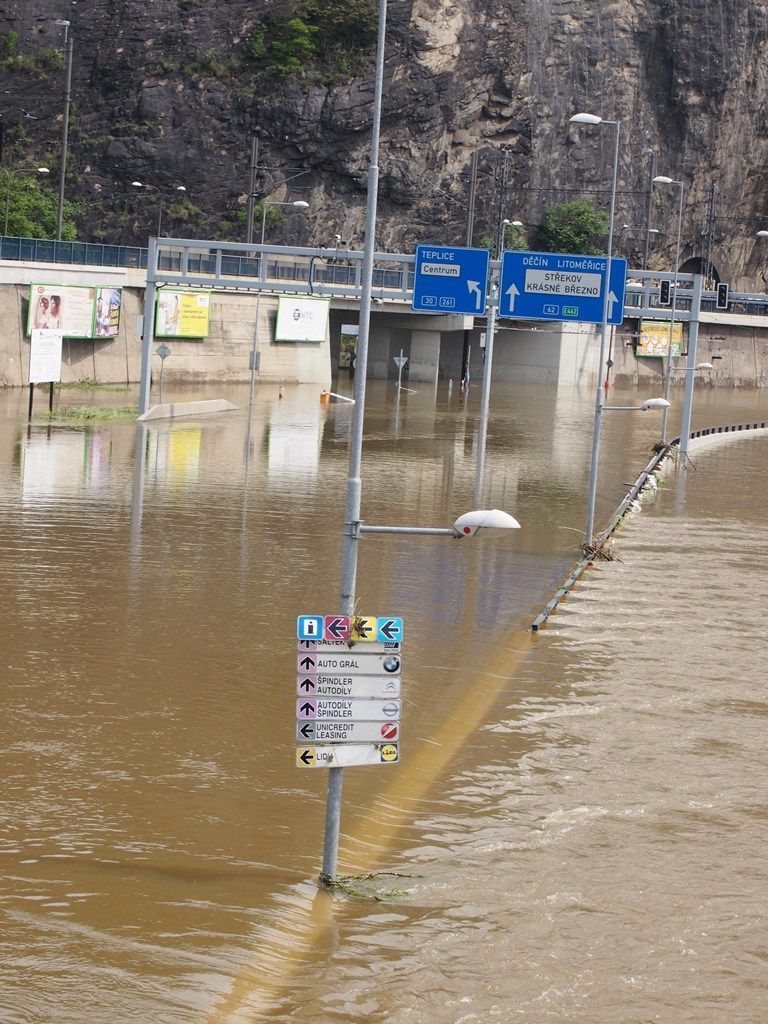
<point x="348" y="699"/>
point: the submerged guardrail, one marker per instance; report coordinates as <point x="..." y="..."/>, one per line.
<point x="631" y="496"/>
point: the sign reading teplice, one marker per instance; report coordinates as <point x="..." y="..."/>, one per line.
<point x="348" y="698"/>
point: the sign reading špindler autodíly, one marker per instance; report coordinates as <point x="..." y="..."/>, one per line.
<point x="348" y="691"/>
<point x="561" y="286"/>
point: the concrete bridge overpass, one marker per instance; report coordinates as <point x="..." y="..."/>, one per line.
<point x="437" y="346"/>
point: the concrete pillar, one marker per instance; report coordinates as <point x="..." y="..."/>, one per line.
<point x="425" y="356"/>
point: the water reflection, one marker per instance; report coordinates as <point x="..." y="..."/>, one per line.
<point x="61" y="463"/>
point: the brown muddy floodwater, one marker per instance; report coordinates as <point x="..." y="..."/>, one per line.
<point x="580" y="815"/>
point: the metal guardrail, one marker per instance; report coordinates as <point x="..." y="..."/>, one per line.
<point x="330" y="269"/>
<point x="634" y="492"/>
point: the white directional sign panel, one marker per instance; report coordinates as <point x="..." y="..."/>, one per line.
<point x="346" y="647"/>
<point x="356" y="661"/>
<point x="347" y="732"/>
<point x="348" y="687"/>
<point x="347" y="755"/>
<point x="561" y="286"/>
<point x="345" y="710"/>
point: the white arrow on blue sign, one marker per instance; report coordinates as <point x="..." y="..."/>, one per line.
<point x="450" y="279"/>
<point x="560" y="286"/>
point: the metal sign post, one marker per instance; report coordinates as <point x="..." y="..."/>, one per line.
<point x="163" y="351"/>
<point x="400" y="362"/>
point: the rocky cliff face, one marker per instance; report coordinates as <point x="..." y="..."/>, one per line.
<point x="168" y="92"/>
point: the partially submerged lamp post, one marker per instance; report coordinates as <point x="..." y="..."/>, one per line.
<point x="660" y="179"/>
<point x="593" y="119"/>
<point x="465" y="526"/>
<point x="299" y="204"/>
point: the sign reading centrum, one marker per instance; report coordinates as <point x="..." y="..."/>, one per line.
<point x="559" y="286"/>
<point x="448" y="279"/>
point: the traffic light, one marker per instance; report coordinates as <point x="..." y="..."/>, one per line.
<point x="664" y="297"/>
<point x="722" y="297"/>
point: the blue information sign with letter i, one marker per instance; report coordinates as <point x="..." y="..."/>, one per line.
<point x="560" y="286"/>
<point x="310" y="627"/>
<point x="448" y="279"/>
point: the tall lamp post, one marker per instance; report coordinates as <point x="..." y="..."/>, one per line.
<point x="593" y="119"/>
<point x="661" y="180"/>
<point x="299" y="204"/>
<point x="20" y="170"/>
<point x="69" y="43"/>
<point x="141" y="184"/>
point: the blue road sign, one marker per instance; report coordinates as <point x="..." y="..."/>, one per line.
<point x="389" y="630"/>
<point x="559" y="286"/>
<point x="450" y="280"/>
<point x="310" y="627"/>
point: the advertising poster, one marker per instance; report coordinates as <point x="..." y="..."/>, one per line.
<point x="654" y="338"/>
<point x="45" y="356"/>
<point x="66" y="308"/>
<point x="107" y="322"/>
<point x="182" y="314"/>
<point x="301" y="319"/>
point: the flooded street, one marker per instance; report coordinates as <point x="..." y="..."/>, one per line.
<point x="579" y="816"/>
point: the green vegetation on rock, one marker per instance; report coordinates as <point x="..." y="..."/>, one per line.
<point x="577" y="227"/>
<point x="332" y="39"/>
<point x="32" y="208"/>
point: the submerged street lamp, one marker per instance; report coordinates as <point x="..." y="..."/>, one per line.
<point x="660" y="179"/>
<point x="649" y="403"/>
<point x="593" y="119"/>
<point x="466" y="525"/>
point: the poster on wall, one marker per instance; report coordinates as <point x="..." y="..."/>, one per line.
<point x="182" y="314"/>
<point x="301" y="319"/>
<point x="107" y="322"/>
<point x="654" y="338"/>
<point x="45" y="356"/>
<point x="62" y="307"/>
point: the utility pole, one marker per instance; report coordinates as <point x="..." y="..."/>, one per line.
<point x="472" y="198"/>
<point x="252" y="187"/>
<point x="69" y="39"/>
<point x="708" y="269"/>
<point x="502" y="199"/>
<point x="649" y="203"/>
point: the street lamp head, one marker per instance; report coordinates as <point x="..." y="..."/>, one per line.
<point x="661" y="179"/>
<point x="181" y="188"/>
<point x="300" y="204"/>
<point x="655" y="403"/>
<point x="517" y="223"/>
<point x="43" y="170"/>
<point x="705" y="366"/>
<point x="62" y="22"/>
<point x="468" y="524"/>
<point x="653" y="231"/>
<point x="586" y="119"/>
<point x="137" y="184"/>
<point x="762" y="234"/>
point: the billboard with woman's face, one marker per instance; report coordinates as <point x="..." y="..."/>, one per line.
<point x="78" y="311"/>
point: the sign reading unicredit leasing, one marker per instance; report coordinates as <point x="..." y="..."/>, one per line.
<point x="301" y="318"/>
<point x="561" y="286"/>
